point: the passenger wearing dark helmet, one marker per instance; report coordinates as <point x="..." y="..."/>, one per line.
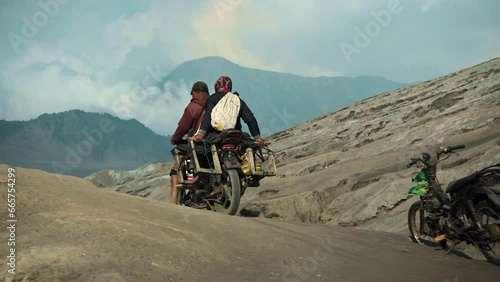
<point x="191" y="119"/>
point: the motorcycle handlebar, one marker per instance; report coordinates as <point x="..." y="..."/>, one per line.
<point x="413" y="161"/>
<point x="449" y="149"/>
<point x="444" y="150"/>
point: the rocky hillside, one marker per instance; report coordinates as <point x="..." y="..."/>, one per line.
<point x="79" y="143"/>
<point x="348" y="168"/>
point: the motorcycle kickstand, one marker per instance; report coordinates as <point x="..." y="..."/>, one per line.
<point x="456" y="243"/>
<point x="210" y="206"/>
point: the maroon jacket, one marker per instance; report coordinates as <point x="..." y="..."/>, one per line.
<point x="190" y="118"/>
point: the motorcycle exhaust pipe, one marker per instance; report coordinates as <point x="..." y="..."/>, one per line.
<point x="494" y="231"/>
<point x="473" y="213"/>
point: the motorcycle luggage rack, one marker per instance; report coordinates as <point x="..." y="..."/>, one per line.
<point x="271" y="164"/>
<point x="197" y="168"/>
<point x="184" y="183"/>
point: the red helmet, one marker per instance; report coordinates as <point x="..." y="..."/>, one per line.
<point x="223" y="84"/>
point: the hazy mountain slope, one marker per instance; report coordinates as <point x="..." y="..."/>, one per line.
<point x="69" y="230"/>
<point x="280" y="100"/>
<point x="80" y="143"/>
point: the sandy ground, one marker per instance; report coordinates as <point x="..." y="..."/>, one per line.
<point x="69" y="230"/>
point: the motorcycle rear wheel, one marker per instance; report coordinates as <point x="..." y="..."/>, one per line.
<point x="419" y="230"/>
<point x="232" y="193"/>
<point x="489" y="218"/>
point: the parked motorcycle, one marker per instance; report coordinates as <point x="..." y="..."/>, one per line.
<point x="214" y="175"/>
<point x="467" y="211"/>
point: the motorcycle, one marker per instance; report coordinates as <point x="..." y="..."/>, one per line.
<point x="215" y="174"/>
<point x="467" y="211"/>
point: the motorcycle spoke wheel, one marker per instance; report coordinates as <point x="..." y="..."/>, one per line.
<point x="418" y="228"/>
<point x="231" y="196"/>
<point x="489" y="219"/>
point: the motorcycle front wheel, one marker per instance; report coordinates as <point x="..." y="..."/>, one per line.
<point x="181" y="196"/>
<point x="231" y="195"/>
<point x="419" y="230"/>
<point x="489" y="218"/>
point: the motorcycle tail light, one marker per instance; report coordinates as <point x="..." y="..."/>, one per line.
<point x="228" y="146"/>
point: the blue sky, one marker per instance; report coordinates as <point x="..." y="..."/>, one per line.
<point x="57" y="55"/>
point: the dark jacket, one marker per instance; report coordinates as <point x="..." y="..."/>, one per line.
<point x="190" y="118"/>
<point x="245" y="114"/>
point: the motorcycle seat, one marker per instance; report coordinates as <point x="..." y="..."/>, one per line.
<point x="232" y="136"/>
<point x="495" y="189"/>
<point x="456" y="185"/>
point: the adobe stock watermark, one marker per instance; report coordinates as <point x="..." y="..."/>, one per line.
<point x="278" y="122"/>
<point x="31" y="25"/>
<point x="222" y="7"/>
<point x="84" y="148"/>
<point x="304" y="271"/>
<point x="363" y="36"/>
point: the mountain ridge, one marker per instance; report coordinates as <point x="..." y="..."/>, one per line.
<point x="227" y="63"/>
<point x="74" y="141"/>
<point x="280" y="100"/>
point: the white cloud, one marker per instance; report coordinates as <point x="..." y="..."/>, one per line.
<point x="224" y="26"/>
<point x="219" y="31"/>
<point x="43" y="54"/>
<point x="126" y="33"/>
<point x="51" y="89"/>
<point x="38" y="82"/>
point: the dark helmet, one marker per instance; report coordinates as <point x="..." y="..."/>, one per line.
<point x="199" y="86"/>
